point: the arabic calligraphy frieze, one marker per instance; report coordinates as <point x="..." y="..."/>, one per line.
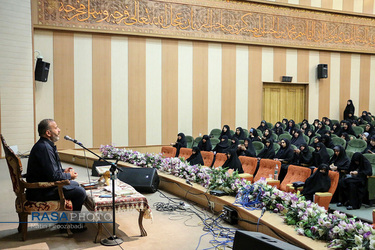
<point x="234" y="21"/>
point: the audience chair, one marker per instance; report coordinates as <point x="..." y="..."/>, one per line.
<point x="283" y="125"/>
<point x="185" y="153"/>
<point x="266" y="169"/>
<point x="357" y="130"/>
<point x="269" y="125"/>
<point x="356" y="145"/>
<point x="274" y="137"/>
<point x="323" y="199"/>
<point x="208" y="158"/>
<point x="214" y="142"/>
<point x="249" y="165"/>
<point x="25" y="207"/>
<point x="220" y="158"/>
<point x="246" y="132"/>
<point x="215" y="133"/>
<point x="349" y="154"/>
<point x="330" y="152"/>
<point x="260" y="133"/>
<point x="276" y="147"/>
<point x="335" y="121"/>
<point x="285" y="136"/>
<point x="196" y="141"/>
<point x="311" y="149"/>
<point x="168" y="151"/>
<point x="307" y="139"/>
<point x="334" y="135"/>
<point x="258" y="146"/>
<point x="338" y="141"/>
<point x="189" y="140"/>
<point x="295" y="173"/>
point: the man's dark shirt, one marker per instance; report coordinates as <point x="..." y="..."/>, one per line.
<point x="44" y="166"/>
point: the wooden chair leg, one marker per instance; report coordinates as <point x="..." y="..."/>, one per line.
<point x="22" y="227"/>
<point x="140" y="223"/>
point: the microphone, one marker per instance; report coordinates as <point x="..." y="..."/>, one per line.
<point x="68" y="138"/>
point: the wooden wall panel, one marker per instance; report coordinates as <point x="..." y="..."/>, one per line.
<point x="101" y="90"/>
<point x="137" y="91"/>
<point x="364" y="83"/>
<point x="200" y="88"/>
<point x="228" y="90"/>
<point x="305" y="2"/>
<point x="169" y="90"/>
<point x="302" y="65"/>
<point x="327" y="4"/>
<point x="279" y="63"/>
<point x="63" y="78"/>
<point x="324" y="86"/>
<point x="368" y="6"/>
<point x="348" y="5"/>
<point x="255" y="86"/>
<point x="345" y="65"/>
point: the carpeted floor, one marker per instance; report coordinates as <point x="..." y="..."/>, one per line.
<point x="167" y="230"/>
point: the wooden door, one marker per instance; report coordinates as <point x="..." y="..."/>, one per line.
<point x="284" y="101"/>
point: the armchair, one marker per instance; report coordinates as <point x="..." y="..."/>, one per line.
<point x="25" y="207"/>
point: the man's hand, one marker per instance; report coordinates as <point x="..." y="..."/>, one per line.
<point x="68" y="170"/>
<point x="73" y="174"/>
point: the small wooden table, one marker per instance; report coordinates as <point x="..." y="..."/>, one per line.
<point x="127" y="198"/>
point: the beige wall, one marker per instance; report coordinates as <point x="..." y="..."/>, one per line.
<point x="136" y="90"/>
<point x="16" y="71"/>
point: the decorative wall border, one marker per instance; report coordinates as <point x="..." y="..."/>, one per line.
<point x="214" y="20"/>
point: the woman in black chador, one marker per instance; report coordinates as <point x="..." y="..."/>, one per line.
<point x="327" y="141"/>
<point x="319" y="181"/>
<point x="285" y="156"/>
<point x="253" y="135"/>
<point x="263" y="126"/>
<point x="290" y="126"/>
<point x="336" y="128"/>
<point x="297" y="138"/>
<point x="339" y="163"/>
<point x="239" y="134"/>
<point x="180" y="143"/>
<point x="353" y="186"/>
<point x="321" y="129"/>
<point x="223" y="145"/>
<point x="196" y="157"/>
<point x="370" y="147"/>
<point x="302" y="156"/>
<point x="348" y="109"/>
<point x="225" y="132"/>
<point x="278" y="129"/>
<point x="205" y="144"/>
<point x="232" y="161"/>
<point x="268" y="152"/>
<point x="266" y="134"/>
<point x="347" y="128"/>
<point x="234" y="144"/>
<point x="246" y="149"/>
<point x="320" y="155"/>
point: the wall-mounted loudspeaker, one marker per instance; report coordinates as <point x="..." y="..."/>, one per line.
<point x="41" y="70"/>
<point x="322" y="71"/>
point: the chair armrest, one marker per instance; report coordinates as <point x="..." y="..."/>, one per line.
<point x="323" y="194"/>
<point x="246" y="176"/>
<point x="45" y="184"/>
<point x="291" y="188"/>
<point x="274" y="183"/>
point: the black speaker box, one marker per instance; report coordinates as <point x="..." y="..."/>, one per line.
<point x="244" y="240"/>
<point x="142" y="179"/>
<point x="322" y="71"/>
<point x="41" y="70"/>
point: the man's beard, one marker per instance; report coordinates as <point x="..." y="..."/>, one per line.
<point x="55" y="138"/>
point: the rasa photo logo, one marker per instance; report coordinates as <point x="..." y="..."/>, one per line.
<point x="71" y="217"/>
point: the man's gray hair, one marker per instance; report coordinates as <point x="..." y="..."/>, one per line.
<point x="43" y="126"/>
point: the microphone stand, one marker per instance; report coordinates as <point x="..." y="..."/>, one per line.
<point x="112" y="240"/>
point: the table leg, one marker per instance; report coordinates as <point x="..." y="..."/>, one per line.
<point x="140" y="221"/>
<point x="98" y="236"/>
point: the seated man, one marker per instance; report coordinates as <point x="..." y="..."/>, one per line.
<point x="44" y="166"/>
